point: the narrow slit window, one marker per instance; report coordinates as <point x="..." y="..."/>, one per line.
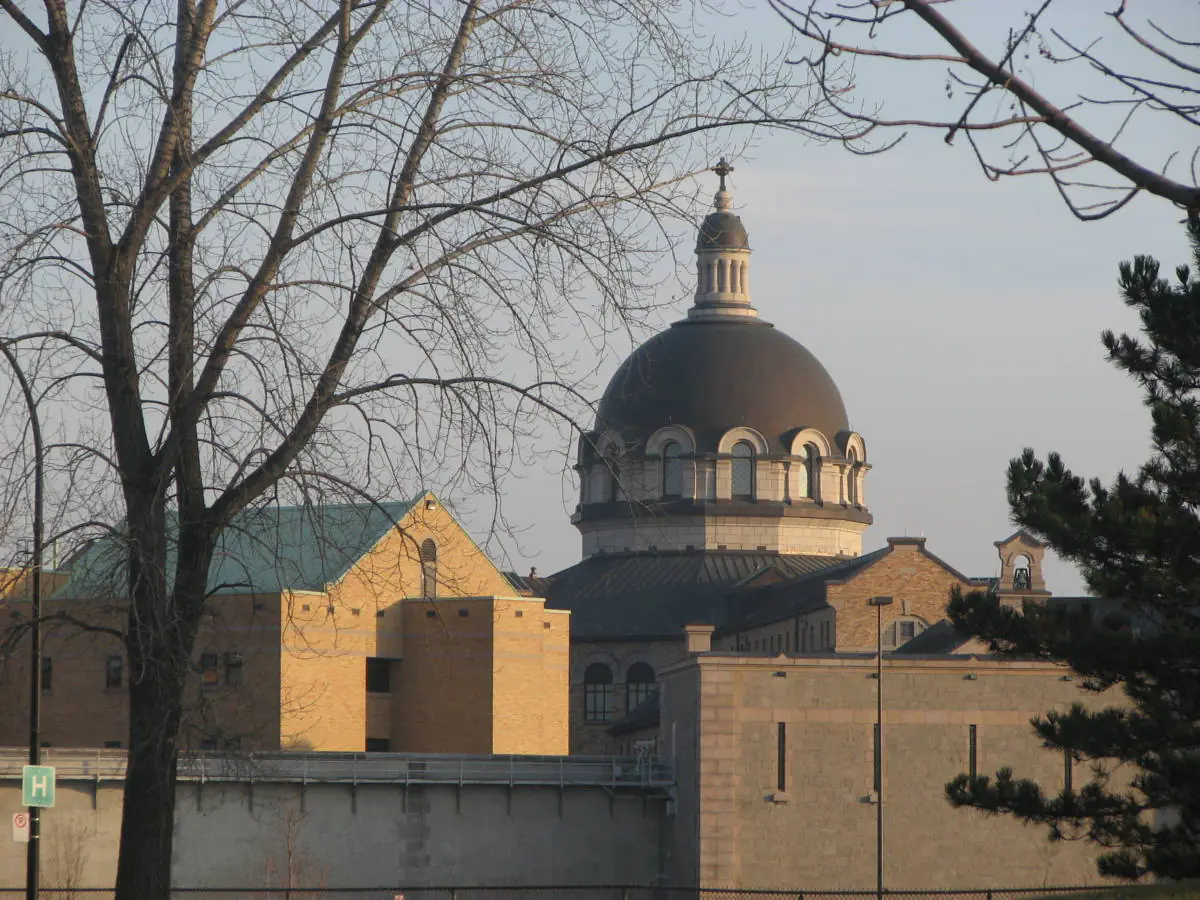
<point x="972" y="752"/>
<point x="781" y="752"/>
<point x="1068" y="775"/>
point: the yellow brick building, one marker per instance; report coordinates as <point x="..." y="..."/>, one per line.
<point x="344" y="628"/>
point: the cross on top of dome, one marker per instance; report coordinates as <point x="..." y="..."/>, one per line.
<point x="723" y="200"/>
<point x="722" y="168"/>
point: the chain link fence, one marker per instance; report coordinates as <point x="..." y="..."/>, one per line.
<point x="598" y="892"/>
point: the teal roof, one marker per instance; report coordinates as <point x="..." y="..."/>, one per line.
<point x="263" y="551"/>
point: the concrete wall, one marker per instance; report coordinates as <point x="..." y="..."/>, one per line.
<point x="736" y="828"/>
<point x="328" y="835"/>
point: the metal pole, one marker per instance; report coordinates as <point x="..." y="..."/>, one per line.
<point x="879" y="720"/>
<point x="879" y="603"/>
<point x="32" y="859"/>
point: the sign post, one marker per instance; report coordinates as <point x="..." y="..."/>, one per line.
<point x="37" y="786"/>
<point x="21" y="828"/>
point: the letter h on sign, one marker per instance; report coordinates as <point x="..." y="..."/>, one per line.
<point x="37" y="786"/>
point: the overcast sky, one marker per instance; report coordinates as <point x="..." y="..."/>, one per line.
<point x="959" y="318"/>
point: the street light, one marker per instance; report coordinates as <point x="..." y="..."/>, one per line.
<point x="879" y="603"/>
<point x="32" y="879"/>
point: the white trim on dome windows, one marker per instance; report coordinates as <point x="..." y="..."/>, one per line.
<point x="755" y="439"/>
<point x="679" y="433"/>
<point x="741" y="470"/>
<point x="814" y="437"/>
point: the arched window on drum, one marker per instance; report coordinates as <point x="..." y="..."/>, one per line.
<point x="672" y="470"/>
<point x="742" y="470"/>
<point x="852" y="477"/>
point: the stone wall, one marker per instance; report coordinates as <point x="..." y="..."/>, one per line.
<point x="374" y="836"/>
<point x="818" y="831"/>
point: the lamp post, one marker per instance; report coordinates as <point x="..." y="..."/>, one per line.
<point x="879" y="603"/>
<point x="32" y="878"/>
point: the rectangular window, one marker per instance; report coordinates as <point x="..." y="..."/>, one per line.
<point x="781" y="753"/>
<point x="379" y="676"/>
<point x="210" y="675"/>
<point x="47" y="673"/>
<point x="972" y="750"/>
<point x="233" y="668"/>
<point x="114" y="671"/>
<point x="112" y="745"/>
<point x="908" y="631"/>
<point x="378" y="745"/>
<point x="208" y="743"/>
<point x="878" y="757"/>
<point x="1068" y="780"/>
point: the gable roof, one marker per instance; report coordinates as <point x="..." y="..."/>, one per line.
<point x="643" y="596"/>
<point x="264" y="550"/>
<point x="762" y="605"/>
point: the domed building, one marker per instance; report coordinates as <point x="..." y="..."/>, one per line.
<point x="722" y="454"/>
<point x="722" y="433"/>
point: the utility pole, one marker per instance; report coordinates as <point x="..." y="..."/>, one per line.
<point x="879" y="603"/>
<point x="33" y="857"/>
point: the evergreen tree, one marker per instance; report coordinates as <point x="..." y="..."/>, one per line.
<point x="1137" y="542"/>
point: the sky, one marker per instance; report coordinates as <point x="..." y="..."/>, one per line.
<point x="960" y="318"/>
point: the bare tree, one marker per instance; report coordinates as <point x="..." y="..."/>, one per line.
<point x="1133" y="76"/>
<point x="268" y="248"/>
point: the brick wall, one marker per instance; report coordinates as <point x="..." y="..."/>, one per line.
<point x="592" y="737"/>
<point x="918" y="584"/>
<point x="819" y="832"/>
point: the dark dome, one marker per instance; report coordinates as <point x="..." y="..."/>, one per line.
<point x="722" y="231"/>
<point x="713" y="375"/>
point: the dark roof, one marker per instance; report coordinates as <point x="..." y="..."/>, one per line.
<point x="527" y="585"/>
<point x="714" y="374"/>
<point x="753" y="606"/>
<point x="643" y="595"/>
<point x="722" y="231"/>
<point x="264" y="550"/>
<point x="645" y="715"/>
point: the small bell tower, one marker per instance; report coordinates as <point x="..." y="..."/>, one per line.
<point x="1021" y="556"/>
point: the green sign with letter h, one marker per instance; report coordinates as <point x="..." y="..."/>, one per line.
<point x="37" y="786"/>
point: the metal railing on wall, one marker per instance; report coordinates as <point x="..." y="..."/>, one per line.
<point x="591" y="892"/>
<point x="366" y="768"/>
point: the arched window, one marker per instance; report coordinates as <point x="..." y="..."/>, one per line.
<point x="428" y="568"/>
<point x="743" y="470"/>
<point x="812" y="472"/>
<point x="614" y="491"/>
<point x="639" y="685"/>
<point x="672" y="470"/>
<point x="901" y="631"/>
<point x="597" y="693"/>
<point x="852" y="477"/>
<point x="1022" y="574"/>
